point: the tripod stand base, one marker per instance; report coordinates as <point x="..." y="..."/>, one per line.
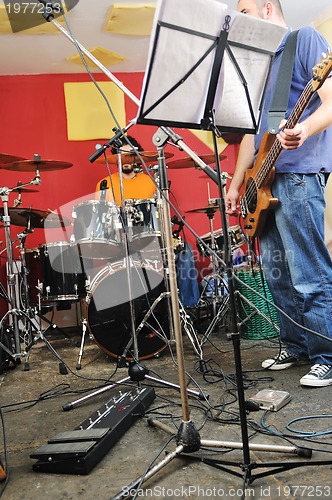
<point x="183" y="449"/>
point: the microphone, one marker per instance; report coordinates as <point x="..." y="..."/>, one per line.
<point x="103" y="187"/>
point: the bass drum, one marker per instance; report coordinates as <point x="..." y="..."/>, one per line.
<point x="108" y="310"/>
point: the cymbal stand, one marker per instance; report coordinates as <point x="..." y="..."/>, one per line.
<point x="4" y="193"/>
<point x="214" y="275"/>
<point x="15" y="311"/>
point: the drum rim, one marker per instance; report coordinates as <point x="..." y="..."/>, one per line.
<point x="94" y="202"/>
<point x="56" y="243"/>
<point x="140" y="200"/>
<point x="115" y="266"/>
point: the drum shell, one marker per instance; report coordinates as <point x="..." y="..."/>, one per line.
<point x="108" y="312"/>
<point x="34" y="273"/>
<point x="237" y="239"/>
<point x="97" y="229"/>
<point x="55" y="270"/>
<point x="143" y="222"/>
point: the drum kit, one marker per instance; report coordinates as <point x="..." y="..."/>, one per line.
<point x="113" y="263"/>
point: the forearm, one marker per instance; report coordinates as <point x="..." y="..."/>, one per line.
<point x="245" y="160"/>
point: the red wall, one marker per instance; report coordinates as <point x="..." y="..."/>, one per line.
<point x="33" y="120"/>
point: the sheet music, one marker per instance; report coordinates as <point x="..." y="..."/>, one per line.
<point x="174" y="52"/>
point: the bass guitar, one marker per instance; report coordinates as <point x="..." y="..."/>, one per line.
<point x="257" y="198"/>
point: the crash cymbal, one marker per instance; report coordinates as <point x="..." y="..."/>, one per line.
<point x="210" y="209"/>
<point x="187" y="162"/>
<point x="131" y="158"/>
<point x="4" y="158"/>
<point x="32" y="165"/>
<point x="32" y="217"/>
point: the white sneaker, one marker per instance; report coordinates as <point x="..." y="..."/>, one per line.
<point x="319" y="376"/>
<point x="283" y="361"/>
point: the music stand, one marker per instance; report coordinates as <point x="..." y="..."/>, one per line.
<point x="206" y="52"/>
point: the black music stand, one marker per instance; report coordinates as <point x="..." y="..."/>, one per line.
<point x="231" y="42"/>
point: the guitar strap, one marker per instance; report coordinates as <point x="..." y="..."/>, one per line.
<point x="282" y="88"/>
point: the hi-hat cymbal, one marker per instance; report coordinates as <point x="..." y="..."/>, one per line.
<point x="32" y="165"/>
<point x="32" y="217"/>
<point x="5" y="158"/>
<point x="188" y="162"/>
<point x="131" y="158"/>
<point x="210" y="209"/>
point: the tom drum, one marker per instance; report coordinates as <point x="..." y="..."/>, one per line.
<point x="54" y="273"/>
<point x="97" y="229"/>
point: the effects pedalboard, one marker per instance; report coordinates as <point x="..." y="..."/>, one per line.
<point x="78" y="451"/>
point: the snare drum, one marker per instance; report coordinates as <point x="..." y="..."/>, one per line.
<point x="54" y="273"/>
<point x="237" y="239"/>
<point x="143" y="222"/>
<point x="97" y="229"/>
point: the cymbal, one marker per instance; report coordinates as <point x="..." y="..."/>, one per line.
<point x="131" y="158"/>
<point x="32" y="165"/>
<point x="35" y="218"/>
<point x="188" y="162"/>
<point x="210" y="209"/>
<point x="4" y="158"/>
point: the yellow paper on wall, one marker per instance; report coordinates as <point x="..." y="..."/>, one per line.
<point x="131" y="19"/>
<point x="88" y="116"/>
<point x="206" y="137"/>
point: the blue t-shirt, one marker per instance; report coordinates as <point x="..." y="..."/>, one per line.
<point x="316" y="153"/>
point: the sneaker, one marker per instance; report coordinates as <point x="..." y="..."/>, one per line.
<point x="319" y="376"/>
<point x="281" y="362"/>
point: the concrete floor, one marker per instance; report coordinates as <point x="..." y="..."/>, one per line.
<point x="32" y="407"/>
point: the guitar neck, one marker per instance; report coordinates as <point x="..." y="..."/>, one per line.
<point x="276" y="148"/>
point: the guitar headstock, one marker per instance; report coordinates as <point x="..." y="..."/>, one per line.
<point x="321" y="71"/>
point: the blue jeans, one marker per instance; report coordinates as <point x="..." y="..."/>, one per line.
<point x="298" y="266"/>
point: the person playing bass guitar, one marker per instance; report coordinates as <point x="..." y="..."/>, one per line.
<point x="282" y="200"/>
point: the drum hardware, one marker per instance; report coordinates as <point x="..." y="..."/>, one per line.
<point x="152" y="329"/>
<point x="189" y="329"/>
<point x="22" y="217"/>
<point x="210" y="210"/>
